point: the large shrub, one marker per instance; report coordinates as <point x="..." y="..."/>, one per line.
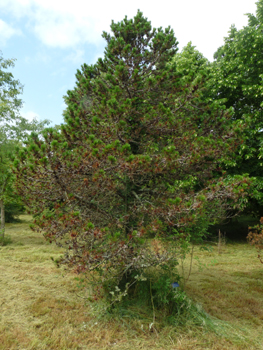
<point x="136" y="158"/>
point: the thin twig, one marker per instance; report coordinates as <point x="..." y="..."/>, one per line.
<point x="152" y="302"/>
<point x="190" y="268"/>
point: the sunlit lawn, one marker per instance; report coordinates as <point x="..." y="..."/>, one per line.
<point x="41" y="309"/>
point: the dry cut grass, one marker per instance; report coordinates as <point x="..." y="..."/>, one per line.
<point x="40" y="308"/>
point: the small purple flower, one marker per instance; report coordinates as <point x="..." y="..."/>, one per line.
<point x="175" y="285"/>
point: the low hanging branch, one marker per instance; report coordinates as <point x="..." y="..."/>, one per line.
<point x="255" y="238"/>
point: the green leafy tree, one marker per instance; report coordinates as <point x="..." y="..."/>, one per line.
<point x="135" y="159"/>
<point x="9" y="107"/>
<point x="238" y="78"/>
<point x="13" y="130"/>
<point x="191" y="66"/>
<point x="10" y="89"/>
<point x="12" y="136"/>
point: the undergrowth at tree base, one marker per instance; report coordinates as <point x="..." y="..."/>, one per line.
<point x="154" y="297"/>
<point x="5" y="240"/>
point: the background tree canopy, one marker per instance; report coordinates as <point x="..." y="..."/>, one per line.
<point x="238" y="78"/>
<point x="14" y="129"/>
<point x="9" y="107"/>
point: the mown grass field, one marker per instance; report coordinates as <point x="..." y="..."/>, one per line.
<point x="41" y="309"/>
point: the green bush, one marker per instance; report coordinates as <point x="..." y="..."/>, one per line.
<point x="12" y="211"/>
<point x="153" y="296"/>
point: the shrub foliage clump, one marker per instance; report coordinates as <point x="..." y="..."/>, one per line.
<point x="255" y="237"/>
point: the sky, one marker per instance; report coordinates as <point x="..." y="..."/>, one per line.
<point x="51" y="39"/>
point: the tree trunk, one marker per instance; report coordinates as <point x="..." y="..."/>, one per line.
<point x="219" y="242"/>
<point x="2" y="211"/>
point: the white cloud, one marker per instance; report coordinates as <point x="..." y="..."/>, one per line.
<point x="40" y="56"/>
<point x="30" y="115"/>
<point x="7" y="32"/>
<point x="69" y="23"/>
<point x="58" y="31"/>
<point x="61" y="72"/>
<point x="76" y="57"/>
